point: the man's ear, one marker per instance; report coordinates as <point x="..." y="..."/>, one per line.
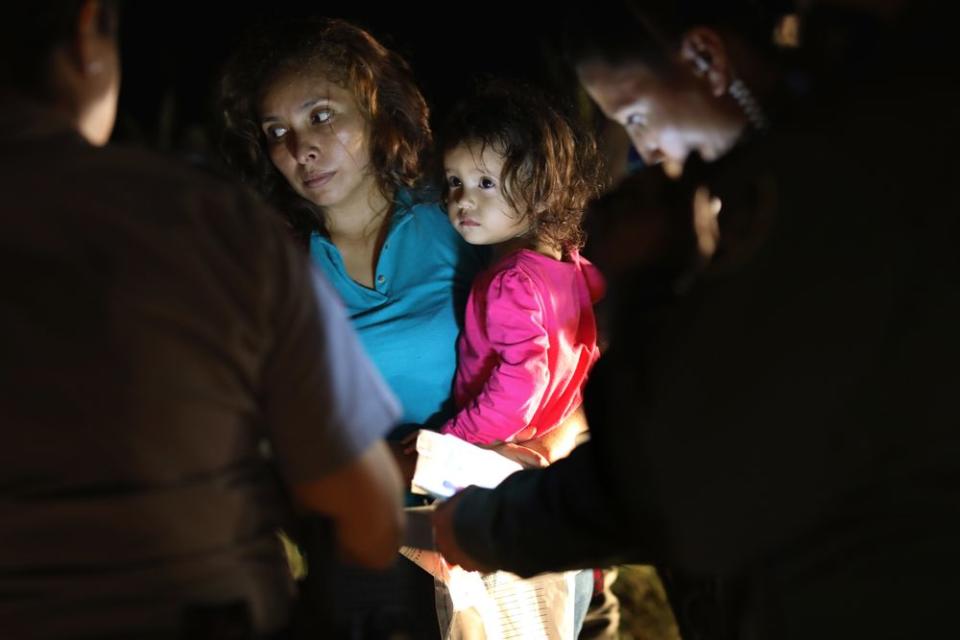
<point x="86" y="70"/>
<point x="91" y="43"/>
<point x="703" y="50"/>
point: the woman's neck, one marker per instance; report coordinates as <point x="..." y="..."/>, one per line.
<point x="359" y="220"/>
<point x="358" y="230"/>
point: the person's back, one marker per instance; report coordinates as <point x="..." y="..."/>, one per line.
<point x="135" y="312"/>
<point x="167" y="385"/>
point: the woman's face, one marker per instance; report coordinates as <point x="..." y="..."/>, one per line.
<point x="666" y="120"/>
<point x="318" y="138"/>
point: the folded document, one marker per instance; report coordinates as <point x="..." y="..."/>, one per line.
<point x="446" y="464"/>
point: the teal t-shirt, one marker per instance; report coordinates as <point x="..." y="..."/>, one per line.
<point x="409" y="321"/>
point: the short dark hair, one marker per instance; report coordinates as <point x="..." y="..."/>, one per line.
<point x="551" y="165"/>
<point x="29" y="33"/>
<point x="647" y="31"/>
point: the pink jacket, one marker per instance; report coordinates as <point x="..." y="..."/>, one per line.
<point x="528" y="342"/>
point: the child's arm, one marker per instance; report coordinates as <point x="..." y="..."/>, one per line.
<point x="511" y="395"/>
<point x="561" y="440"/>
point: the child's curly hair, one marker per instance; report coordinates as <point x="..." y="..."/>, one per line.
<point x="551" y="167"/>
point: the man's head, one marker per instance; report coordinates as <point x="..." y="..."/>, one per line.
<point x="665" y="70"/>
<point x="65" y="53"/>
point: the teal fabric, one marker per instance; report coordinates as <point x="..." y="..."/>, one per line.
<point x="409" y="321"/>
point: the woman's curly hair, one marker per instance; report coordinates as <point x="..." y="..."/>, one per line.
<point x="551" y="167"/>
<point x="380" y="80"/>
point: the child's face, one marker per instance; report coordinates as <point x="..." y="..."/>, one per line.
<point x="475" y="201"/>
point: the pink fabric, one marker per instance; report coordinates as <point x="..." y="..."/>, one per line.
<point x="529" y="340"/>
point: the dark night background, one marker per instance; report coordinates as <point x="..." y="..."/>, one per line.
<point x="173" y="53"/>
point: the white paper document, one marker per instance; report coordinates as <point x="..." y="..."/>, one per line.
<point x="470" y="605"/>
<point x="500" y="605"/>
<point x="447" y="464"/>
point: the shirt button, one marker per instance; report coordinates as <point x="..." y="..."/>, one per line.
<point x="381" y="279"/>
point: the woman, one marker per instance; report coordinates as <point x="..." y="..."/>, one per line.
<point x="330" y="126"/>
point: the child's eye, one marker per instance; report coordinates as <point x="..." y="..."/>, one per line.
<point x="322" y="116"/>
<point x="453" y="182"/>
<point x="487" y="183"/>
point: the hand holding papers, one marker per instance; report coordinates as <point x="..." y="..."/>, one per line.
<point x="447" y="464"/>
<point x="492" y="606"/>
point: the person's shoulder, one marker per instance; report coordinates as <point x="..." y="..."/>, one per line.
<point x="529" y="274"/>
<point x="428" y="217"/>
<point x="514" y="275"/>
<point x="177" y="189"/>
<point x="524" y="265"/>
<point x="175" y="205"/>
<point x="159" y="172"/>
<point x="422" y="218"/>
<point x="510" y="291"/>
<point x="426" y="209"/>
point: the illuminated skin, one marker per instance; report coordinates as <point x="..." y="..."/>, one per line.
<point x="666" y="119"/>
<point x="672" y="113"/>
<point x="476" y="204"/>
<point x="318" y="139"/>
<point x="84" y="75"/>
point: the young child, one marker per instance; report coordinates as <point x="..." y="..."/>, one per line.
<point x="518" y="176"/>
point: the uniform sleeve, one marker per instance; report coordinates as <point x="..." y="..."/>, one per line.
<point x="324" y="402"/>
<point x="553" y="519"/>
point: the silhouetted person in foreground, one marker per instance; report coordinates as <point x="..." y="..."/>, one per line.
<point x="779" y="413"/>
<point x="168" y="395"/>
